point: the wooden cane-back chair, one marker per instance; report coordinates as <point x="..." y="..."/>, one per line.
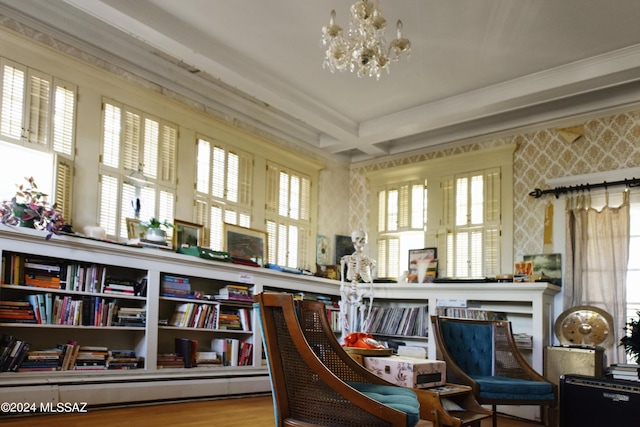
<point x="315" y="326"/>
<point x="483" y="355"/>
<point x="307" y="393"/>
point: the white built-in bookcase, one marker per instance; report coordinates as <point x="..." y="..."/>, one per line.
<point x="530" y="305"/>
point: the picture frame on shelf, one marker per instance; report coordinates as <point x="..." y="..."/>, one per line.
<point x="187" y="234"/>
<point x="245" y="243"/>
<point x="344" y="246"/>
<point x="522" y="271"/>
<point x="323" y="249"/>
<point x="423" y="265"/>
<point x="546" y="267"/>
<point x="135" y="229"/>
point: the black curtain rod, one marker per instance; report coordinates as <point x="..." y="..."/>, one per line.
<point x="537" y="193"/>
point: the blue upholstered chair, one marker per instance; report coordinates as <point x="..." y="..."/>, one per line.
<point x="307" y="393"/>
<point x="483" y="355"/>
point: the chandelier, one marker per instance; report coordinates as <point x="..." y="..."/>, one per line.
<point x="363" y="49"/>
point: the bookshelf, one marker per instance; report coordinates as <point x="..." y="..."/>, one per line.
<point x="145" y="269"/>
<point x="148" y="267"/>
<point x="528" y="306"/>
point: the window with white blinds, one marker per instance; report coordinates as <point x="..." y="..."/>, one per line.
<point x="37" y="112"/>
<point x="137" y="168"/>
<point x="223" y="189"/>
<point x="288" y="217"/>
<point x="402" y="219"/>
<point x="472" y="223"/>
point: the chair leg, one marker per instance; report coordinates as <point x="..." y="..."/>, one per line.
<point x="495" y="415"/>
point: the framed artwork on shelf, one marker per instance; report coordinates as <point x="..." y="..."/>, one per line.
<point x="245" y="243"/>
<point x="423" y="265"/>
<point x="187" y="234"/>
<point x="522" y="271"/>
<point x="135" y="229"/>
<point x="322" y="250"/>
<point x="546" y="267"/>
<point x="343" y="246"/>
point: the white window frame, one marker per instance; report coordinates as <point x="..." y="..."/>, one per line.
<point x="138" y="161"/>
<point x="38" y="112"/>
<point x="288" y="217"/>
<point x="436" y="172"/>
<point x="402" y="230"/>
<point x="223" y="188"/>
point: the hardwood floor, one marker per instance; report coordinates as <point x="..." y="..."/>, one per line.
<point x="237" y="412"/>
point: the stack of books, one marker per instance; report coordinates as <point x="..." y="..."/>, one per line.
<point x="132" y="316"/>
<point x="230" y="320"/>
<point x="91" y="358"/>
<point x="624" y="371"/>
<point x="207" y="358"/>
<point x="122" y="359"/>
<point x="41" y="360"/>
<point x="176" y="287"/>
<point x="114" y="285"/>
<point x="17" y="312"/>
<point x="41" y="273"/>
<point x="170" y="360"/>
<point x="235" y="293"/>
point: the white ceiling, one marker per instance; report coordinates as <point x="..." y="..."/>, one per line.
<point x="478" y="67"/>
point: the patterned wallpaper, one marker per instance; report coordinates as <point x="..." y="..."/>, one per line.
<point x="609" y="143"/>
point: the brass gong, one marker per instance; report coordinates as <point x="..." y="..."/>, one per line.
<point x="584" y="325"/>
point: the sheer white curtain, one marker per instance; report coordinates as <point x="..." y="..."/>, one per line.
<point x="596" y="266"/>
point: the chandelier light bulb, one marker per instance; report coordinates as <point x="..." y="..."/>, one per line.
<point x="363" y="50"/>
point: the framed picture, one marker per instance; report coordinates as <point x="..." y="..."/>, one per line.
<point x="546" y="267"/>
<point x="135" y="229"/>
<point x="187" y="234"/>
<point x="423" y="265"/>
<point x="245" y="243"/>
<point x="322" y="250"/>
<point x="522" y="271"/>
<point x="344" y="246"/>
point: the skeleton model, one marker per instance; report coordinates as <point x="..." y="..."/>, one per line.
<point x="359" y="287"/>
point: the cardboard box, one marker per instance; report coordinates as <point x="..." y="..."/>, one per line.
<point x="408" y="371"/>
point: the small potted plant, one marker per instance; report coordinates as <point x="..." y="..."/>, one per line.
<point x="631" y="340"/>
<point x="156" y="230"/>
<point x="30" y="207"/>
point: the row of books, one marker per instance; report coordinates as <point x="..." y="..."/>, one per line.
<point x="194" y="315"/>
<point x="470" y="313"/>
<point x="19" y="269"/>
<point x="17" y="356"/>
<point x="405" y="321"/>
<point x="66" y="310"/>
<point x="232" y="351"/>
<point x="12" y="352"/>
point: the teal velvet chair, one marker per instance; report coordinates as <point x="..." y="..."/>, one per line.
<point x="307" y="393"/>
<point x="483" y="355"/>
